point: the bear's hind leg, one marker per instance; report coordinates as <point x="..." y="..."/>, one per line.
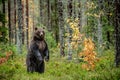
<point x="41" y="67"/>
<point x="31" y="69"/>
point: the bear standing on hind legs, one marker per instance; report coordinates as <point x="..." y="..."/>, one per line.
<point x="37" y="52"/>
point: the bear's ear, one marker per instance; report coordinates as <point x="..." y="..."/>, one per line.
<point x="36" y="28"/>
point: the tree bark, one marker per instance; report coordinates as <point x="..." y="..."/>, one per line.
<point x="23" y="35"/>
<point x="117" y="32"/>
<point x="100" y="37"/>
<point x="9" y="21"/>
<point x="83" y="16"/>
<point x="3" y="3"/>
<point x="49" y="21"/>
<point x="79" y="14"/>
<point x="3" y="22"/>
<point x="41" y="12"/>
<point x="56" y="22"/>
<point x="70" y="10"/>
<point x="74" y="9"/>
<point x="20" y="26"/>
<point x="61" y="27"/>
<point x="15" y="21"/>
<point x="27" y="21"/>
<point x="108" y="32"/>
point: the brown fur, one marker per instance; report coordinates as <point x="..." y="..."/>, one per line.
<point x="37" y="52"/>
<point x="41" y="45"/>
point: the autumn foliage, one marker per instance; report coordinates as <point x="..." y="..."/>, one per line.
<point x="4" y="59"/>
<point x="88" y="54"/>
<point x="76" y="35"/>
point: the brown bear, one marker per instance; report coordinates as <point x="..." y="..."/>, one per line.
<point x="37" y="52"/>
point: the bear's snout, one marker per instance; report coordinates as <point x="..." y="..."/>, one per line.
<point x="41" y="33"/>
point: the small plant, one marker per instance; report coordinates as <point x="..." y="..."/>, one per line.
<point x="4" y="59"/>
<point x="89" y="55"/>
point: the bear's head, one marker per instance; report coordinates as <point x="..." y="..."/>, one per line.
<point x="39" y="34"/>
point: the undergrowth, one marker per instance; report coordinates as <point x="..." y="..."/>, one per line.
<point x="59" y="68"/>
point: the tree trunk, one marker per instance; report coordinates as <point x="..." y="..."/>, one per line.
<point x="74" y="9"/>
<point x="79" y="14"/>
<point x="99" y="36"/>
<point x="9" y="21"/>
<point x="12" y="21"/>
<point x="15" y="21"/>
<point x="117" y="32"/>
<point x="56" y="22"/>
<point x="23" y="35"/>
<point x="3" y="22"/>
<point x="33" y="16"/>
<point x="41" y="12"/>
<point x="27" y="21"/>
<point x="3" y="3"/>
<point x="100" y="29"/>
<point x="49" y="21"/>
<point x="61" y="27"/>
<point x="20" y="26"/>
<point x="83" y="16"/>
<point x="70" y="10"/>
<point x="108" y="32"/>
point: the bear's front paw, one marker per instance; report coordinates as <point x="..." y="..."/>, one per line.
<point x="46" y="59"/>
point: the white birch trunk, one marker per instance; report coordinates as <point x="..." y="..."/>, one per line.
<point x="99" y="35"/>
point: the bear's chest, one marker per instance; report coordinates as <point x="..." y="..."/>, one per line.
<point x="41" y="45"/>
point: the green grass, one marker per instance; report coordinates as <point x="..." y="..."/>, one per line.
<point x="60" y="69"/>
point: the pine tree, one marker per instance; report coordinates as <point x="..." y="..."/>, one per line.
<point x="117" y="32"/>
<point x="70" y="10"/>
<point x="61" y="27"/>
<point x="27" y="21"/>
<point x="20" y="26"/>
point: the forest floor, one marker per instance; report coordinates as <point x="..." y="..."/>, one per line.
<point x="60" y="69"/>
